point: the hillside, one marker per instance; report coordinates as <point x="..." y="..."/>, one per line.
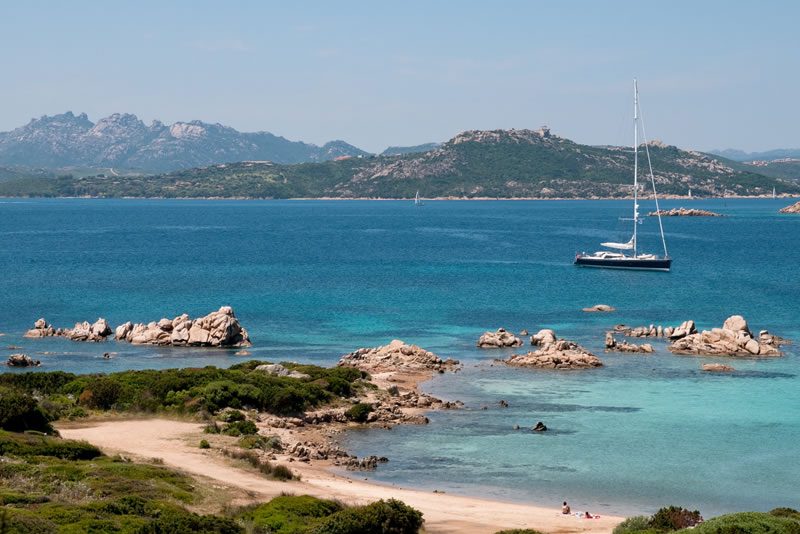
<point x="495" y="164"/>
<point x="769" y="155"/>
<point x="124" y="141"/>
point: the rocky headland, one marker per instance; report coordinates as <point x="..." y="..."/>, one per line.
<point x="498" y="340"/>
<point x="733" y="339"/>
<point x="794" y="208"/>
<point x="554" y="353"/>
<point x="684" y="212"/>
<point x="217" y="329"/>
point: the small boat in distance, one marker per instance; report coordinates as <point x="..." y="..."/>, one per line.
<point x="418" y="201"/>
<point x="633" y="259"/>
<point x="773" y="193"/>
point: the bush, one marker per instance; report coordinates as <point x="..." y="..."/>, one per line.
<point x="674" y="518"/>
<point x="281" y="472"/>
<point x="260" y="442"/>
<point x="381" y="517"/>
<point x="19" y="412"/>
<point x="189" y="522"/>
<point x="204" y="444"/>
<point x="359" y="412"/>
<point x="102" y="393"/>
<point x="635" y="524"/>
<point x="239" y="428"/>
<point x="289" y="514"/>
<point x="231" y="416"/>
<point x="749" y="523"/>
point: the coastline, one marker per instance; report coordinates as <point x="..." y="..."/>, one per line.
<point x="174" y="443"/>
<point x="408" y="199"/>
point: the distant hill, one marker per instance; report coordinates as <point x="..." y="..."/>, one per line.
<point x="400" y="150"/>
<point x="769" y="155"/>
<point x="473" y="164"/>
<point x="124" y="141"/>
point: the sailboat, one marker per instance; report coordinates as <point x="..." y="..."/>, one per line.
<point x="418" y="201"/>
<point x="628" y="255"/>
<point x="773" y="193"/>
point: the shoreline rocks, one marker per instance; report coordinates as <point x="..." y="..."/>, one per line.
<point x="97" y="331"/>
<point x="612" y="345"/>
<point x="498" y="340"/>
<point x="684" y="212"/>
<point x="794" y="208"/>
<point x="397" y="356"/>
<point x="602" y="308"/>
<point x="554" y="353"/>
<point x="733" y="339"/>
<point x="22" y="360"/>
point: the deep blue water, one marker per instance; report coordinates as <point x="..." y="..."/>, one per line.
<point x="314" y="279"/>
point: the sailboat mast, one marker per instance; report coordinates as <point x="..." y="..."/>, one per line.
<point x="635" y="164"/>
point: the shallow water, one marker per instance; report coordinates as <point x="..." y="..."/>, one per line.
<point x="314" y="279"/>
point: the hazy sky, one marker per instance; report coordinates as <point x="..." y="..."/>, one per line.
<point x="713" y="74"/>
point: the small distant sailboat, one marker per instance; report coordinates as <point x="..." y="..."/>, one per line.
<point x="417" y="200"/>
<point x="690" y="192"/>
<point x="634" y="259"/>
<point x="773" y="193"/>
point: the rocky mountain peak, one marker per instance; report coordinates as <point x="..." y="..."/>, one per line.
<point x="503" y="136"/>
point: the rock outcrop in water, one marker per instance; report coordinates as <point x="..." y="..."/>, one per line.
<point x="672" y="332"/>
<point x="397" y="356"/>
<point x="498" y="340"/>
<point x="554" y="353"/>
<point x="217" y="329"/>
<point x="97" y="331"/>
<point x="600" y="308"/>
<point x="22" y="360"/>
<point x="717" y="368"/>
<point x="612" y="345"/>
<point x="794" y="208"/>
<point x="684" y="212"/>
<point x="733" y="339"/>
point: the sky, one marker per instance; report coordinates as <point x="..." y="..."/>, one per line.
<point x="712" y="74"/>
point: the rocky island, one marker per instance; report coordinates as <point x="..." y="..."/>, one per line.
<point x="733" y="339"/>
<point x="794" y="208"/>
<point x="684" y="212"/>
<point x="554" y="353"/>
<point x="498" y="340"/>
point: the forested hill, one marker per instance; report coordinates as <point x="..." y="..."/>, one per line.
<point x="473" y="164"/>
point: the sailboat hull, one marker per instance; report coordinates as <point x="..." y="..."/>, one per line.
<point x="639" y="264"/>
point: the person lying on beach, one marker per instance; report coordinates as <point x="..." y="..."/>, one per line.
<point x="565" y="508"/>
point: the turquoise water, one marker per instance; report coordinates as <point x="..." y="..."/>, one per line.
<point x="314" y="279"/>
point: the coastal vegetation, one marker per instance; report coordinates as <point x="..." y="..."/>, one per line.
<point x="54" y="485"/>
<point x="181" y="391"/>
<point x="474" y="164"/>
<point x="677" y="519"/>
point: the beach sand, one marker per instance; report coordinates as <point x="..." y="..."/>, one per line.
<point x="175" y="442"/>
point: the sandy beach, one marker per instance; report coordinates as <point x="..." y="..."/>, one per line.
<point x="175" y="443"/>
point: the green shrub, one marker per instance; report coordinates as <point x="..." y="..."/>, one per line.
<point x="19" y="412"/>
<point x="359" y="412"/>
<point x="749" y="523"/>
<point x="289" y="514"/>
<point x="239" y="428"/>
<point x="635" y="524"/>
<point x="204" y="444"/>
<point x="25" y="445"/>
<point x="231" y="416"/>
<point x="102" y="393"/>
<point x="260" y="442"/>
<point x="281" y="472"/>
<point x="785" y="512"/>
<point x="381" y="517"/>
<point x="674" y="518"/>
<point x="189" y="522"/>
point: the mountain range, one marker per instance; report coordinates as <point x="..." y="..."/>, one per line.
<point x="473" y="164"/>
<point x="123" y="141"/>
<point x="769" y="155"/>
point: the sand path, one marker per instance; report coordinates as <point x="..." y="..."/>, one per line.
<point x="174" y="442"/>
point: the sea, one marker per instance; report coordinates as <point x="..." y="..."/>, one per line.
<point x="312" y="280"/>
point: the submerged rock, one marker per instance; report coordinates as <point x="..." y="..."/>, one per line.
<point x="554" y="353"/>
<point x="717" y="368"/>
<point x="500" y="339"/>
<point x="22" y="360"/>
<point x="733" y="339"/>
